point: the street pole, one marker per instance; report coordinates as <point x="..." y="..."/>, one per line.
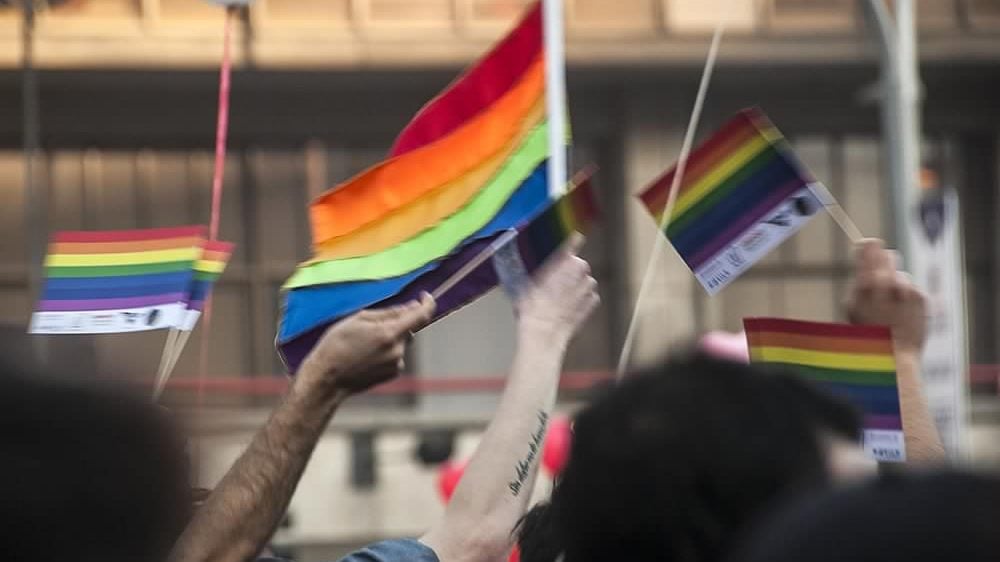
<point x="900" y="107"/>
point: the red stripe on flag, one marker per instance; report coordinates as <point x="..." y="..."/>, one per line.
<point x="127" y="235"/>
<point x="726" y="140"/>
<point x="482" y="85"/>
<point x="802" y="327"/>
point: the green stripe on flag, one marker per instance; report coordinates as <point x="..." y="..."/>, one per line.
<point x="866" y="378"/>
<point x="118" y="270"/>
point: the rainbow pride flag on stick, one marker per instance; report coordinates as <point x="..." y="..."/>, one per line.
<point x="516" y="254"/>
<point x="207" y="270"/>
<point x="854" y="362"/>
<point x="117" y="281"/>
<point x="536" y="241"/>
<point x="743" y="193"/>
<point x="485" y="156"/>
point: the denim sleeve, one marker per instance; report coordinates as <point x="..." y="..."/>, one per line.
<point x="396" y="550"/>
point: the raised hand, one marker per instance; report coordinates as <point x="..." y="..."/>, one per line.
<point x="367" y="348"/>
<point x="563" y="294"/>
<point x="883" y="295"/>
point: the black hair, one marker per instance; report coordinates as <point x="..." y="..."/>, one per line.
<point x="87" y="473"/>
<point x="673" y="463"/>
<point x="897" y="518"/>
<point x="538" y="536"/>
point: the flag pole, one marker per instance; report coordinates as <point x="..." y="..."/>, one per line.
<point x="654" y="258"/>
<point x="555" y="94"/>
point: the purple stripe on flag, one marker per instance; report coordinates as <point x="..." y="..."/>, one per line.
<point x="481" y="280"/>
<point x="752" y="217"/>
<point x="109" y="304"/>
<point x="873" y="421"/>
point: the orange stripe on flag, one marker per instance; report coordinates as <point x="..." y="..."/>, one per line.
<point x="399" y="181"/>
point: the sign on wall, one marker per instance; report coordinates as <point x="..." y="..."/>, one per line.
<point x="941" y="273"/>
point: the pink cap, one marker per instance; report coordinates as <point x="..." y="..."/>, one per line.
<point x="725" y="345"/>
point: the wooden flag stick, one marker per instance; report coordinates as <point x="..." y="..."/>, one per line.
<point x="165" y="359"/>
<point x="161" y="380"/>
<point x="654" y="258"/>
<point x="178" y="351"/>
<point x="474" y="263"/>
<point x="838" y="213"/>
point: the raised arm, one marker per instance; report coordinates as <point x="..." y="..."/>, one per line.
<point x="496" y="486"/>
<point x="242" y="513"/>
<point x="883" y="295"/>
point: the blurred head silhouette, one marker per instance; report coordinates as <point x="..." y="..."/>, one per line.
<point x="675" y="462"/>
<point x="904" y="517"/>
<point x="86" y="473"/>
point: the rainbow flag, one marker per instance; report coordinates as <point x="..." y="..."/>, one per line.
<point x="207" y="269"/>
<point x="854" y="362"/>
<point x="536" y="241"/>
<point x="469" y="167"/>
<point x="308" y="312"/>
<point x="117" y="281"/>
<point x="743" y="192"/>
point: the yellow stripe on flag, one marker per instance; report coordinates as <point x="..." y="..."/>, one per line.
<point x="126" y="258"/>
<point x="209" y="266"/>
<point x="719" y="173"/>
<point x="824" y="359"/>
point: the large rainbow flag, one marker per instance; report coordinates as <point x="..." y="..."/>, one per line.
<point x="117" y="281"/>
<point x="469" y="167"/>
<point x="854" y="362"/>
<point x="302" y="325"/>
<point x="743" y="192"/>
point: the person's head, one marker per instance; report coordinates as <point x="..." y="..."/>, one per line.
<point x="87" y="474"/>
<point x="897" y="518"/>
<point x="675" y="461"/>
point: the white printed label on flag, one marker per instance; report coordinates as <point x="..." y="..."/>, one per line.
<point x="758" y="240"/>
<point x="885" y="445"/>
<point x="190" y="320"/>
<point x="108" y="321"/>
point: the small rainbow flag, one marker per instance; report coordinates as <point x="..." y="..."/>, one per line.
<point x="207" y="270"/>
<point x="743" y="192"/>
<point x="855" y="362"/>
<point x="117" y="281"/>
<point x="537" y="240"/>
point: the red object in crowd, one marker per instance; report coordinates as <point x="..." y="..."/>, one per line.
<point x="515" y="555"/>
<point x="448" y="476"/>
<point x="556" y="451"/>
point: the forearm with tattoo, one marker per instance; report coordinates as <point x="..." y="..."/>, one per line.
<point x="523" y="469"/>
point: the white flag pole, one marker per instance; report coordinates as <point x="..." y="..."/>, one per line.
<point x="555" y="93"/>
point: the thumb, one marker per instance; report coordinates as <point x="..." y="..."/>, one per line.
<point x="870" y="255"/>
<point x="417" y="315"/>
<point x="573" y="244"/>
<point x="569" y="249"/>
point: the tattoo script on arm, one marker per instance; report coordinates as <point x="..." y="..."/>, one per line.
<point x="523" y="467"/>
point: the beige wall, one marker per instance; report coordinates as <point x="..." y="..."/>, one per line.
<point x="339" y="34"/>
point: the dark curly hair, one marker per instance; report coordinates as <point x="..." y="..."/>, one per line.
<point x="672" y="464"/>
